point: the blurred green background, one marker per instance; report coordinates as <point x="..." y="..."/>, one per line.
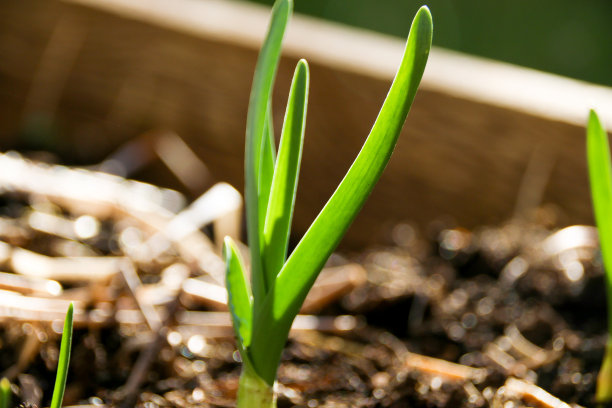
<point x="567" y="37"/>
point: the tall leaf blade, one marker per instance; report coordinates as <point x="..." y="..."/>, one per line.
<point x="266" y="172"/>
<point x="284" y="184"/>
<point x="282" y="303"/>
<point x="239" y="298"/>
<point x="64" y="361"/>
<point x="263" y="82"/>
<point x="600" y="176"/>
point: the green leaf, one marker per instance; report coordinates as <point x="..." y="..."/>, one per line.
<point x="598" y="155"/>
<point x="64" y="361"/>
<point x="272" y="323"/>
<point x="286" y="172"/>
<point x="266" y="173"/>
<point x="263" y="82"/>
<point x="239" y="297"/>
<point x="600" y="177"/>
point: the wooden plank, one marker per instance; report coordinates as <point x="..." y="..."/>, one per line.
<point x="106" y="70"/>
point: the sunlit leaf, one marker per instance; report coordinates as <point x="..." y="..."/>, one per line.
<point x="64" y="361"/>
<point x="286" y="172"/>
<point x="266" y="173"/>
<point x="600" y="176"/>
<point x="263" y="82"/>
<point x="273" y="321"/>
<point x="239" y="299"/>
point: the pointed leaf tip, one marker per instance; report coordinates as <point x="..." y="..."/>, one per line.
<point x="424" y="21"/>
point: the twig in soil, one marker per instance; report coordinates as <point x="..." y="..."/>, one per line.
<point x="60" y="226"/>
<point x="222" y="201"/>
<point x="103" y="195"/>
<point x="516" y="355"/>
<point x="14" y="307"/>
<point x="570" y="238"/>
<point x="133" y="283"/>
<point x="12" y="230"/>
<point x="13" y="301"/>
<point x="89" y="192"/>
<point x="209" y="294"/>
<point x="163" y="292"/>
<point x="218" y="324"/>
<point x="29" y="285"/>
<point x="529" y="393"/>
<point x="446" y="369"/>
<point x="333" y="283"/>
<point x="66" y="269"/>
<point x="532" y="355"/>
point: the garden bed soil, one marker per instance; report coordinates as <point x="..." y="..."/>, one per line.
<point x="501" y="316"/>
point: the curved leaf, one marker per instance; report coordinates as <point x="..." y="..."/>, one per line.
<point x="263" y="81"/>
<point x="272" y="323"/>
<point x="286" y="172"/>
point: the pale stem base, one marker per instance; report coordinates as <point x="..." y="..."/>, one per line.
<point x="253" y="392"/>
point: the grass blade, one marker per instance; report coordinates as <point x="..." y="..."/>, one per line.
<point x="263" y="81"/>
<point x="64" y="361"/>
<point x="272" y="323"/>
<point x="600" y="177"/>
<point x="239" y="296"/>
<point x="286" y="172"/>
<point x="5" y="393"/>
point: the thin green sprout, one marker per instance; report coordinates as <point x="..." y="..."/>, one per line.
<point x="600" y="176"/>
<point x="263" y="311"/>
<point x="64" y="360"/>
<point x="5" y="393"/>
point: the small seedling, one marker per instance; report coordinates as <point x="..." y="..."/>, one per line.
<point x="263" y="311"/>
<point x="64" y="360"/>
<point x="62" y="368"/>
<point x="600" y="176"/>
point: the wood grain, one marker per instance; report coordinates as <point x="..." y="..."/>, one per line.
<point x="101" y="72"/>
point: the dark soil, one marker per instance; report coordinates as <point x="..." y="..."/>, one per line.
<point x="518" y="308"/>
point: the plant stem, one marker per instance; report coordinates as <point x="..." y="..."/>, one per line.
<point x="604" y="379"/>
<point x="253" y="391"/>
<point x="5" y="393"/>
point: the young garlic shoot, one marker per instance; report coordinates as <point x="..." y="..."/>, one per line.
<point x="600" y="177"/>
<point x="263" y="311"/>
<point x="63" y="362"/>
